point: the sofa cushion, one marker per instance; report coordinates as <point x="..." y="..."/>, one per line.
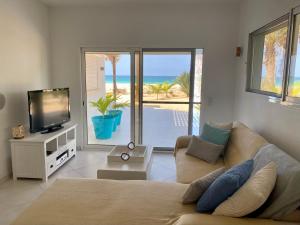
<point x="182" y="142"/>
<point x="204" y="150"/>
<point x="243" y="145"/>
<point x="251" y="195"/>
<point x="199" y="186"/>
<point x="189" y="168"/>
<point x="286" y="195"/>
<point x="224" y="186"/>
<point x="215" y="135"/>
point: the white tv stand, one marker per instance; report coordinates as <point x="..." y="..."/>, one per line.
<point x="39" y="155"/>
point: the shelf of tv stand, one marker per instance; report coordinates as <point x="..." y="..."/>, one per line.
<point x="40" y="155"/>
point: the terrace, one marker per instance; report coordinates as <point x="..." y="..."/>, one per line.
<point x="172" y="123"/>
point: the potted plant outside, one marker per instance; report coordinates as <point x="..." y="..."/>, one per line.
<point x="116" y="110"/>
<point x="104" y="123"/>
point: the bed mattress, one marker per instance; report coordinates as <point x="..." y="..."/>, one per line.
<point x="107" y="202"/>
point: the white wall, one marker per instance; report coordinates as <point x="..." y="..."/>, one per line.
<point x="208" y="25"/>
<point x="24" y="65"/>
<point x="279" y="124"/>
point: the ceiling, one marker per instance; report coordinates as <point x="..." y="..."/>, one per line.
<point x="56" y="3"/>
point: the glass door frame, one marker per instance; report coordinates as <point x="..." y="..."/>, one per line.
<point x="132" y="52"/>
<point x="136" y="118"/>
<point x="191" y="102"/>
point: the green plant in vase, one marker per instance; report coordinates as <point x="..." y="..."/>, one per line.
<point x="116" y="110"/>
<point x="104" y="123"/>
<point x="103" y="104"/>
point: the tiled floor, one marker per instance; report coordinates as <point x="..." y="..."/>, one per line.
<point x="15" y="196"/>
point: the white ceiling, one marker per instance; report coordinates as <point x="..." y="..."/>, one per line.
<point x="101" y="2"/>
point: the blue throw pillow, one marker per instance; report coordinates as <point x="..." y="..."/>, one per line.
<point x="215" y="135"/>
<point x="225" y="186"/>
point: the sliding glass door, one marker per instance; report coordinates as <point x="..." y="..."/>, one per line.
<point x="154" y="95"/>
<point x="171" y="99"/>
<point x="108" y="92"/>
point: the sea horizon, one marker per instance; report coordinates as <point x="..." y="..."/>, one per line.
<point x="125" y="79"/>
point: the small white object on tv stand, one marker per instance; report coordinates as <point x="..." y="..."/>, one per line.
<point x="39" y="155"/>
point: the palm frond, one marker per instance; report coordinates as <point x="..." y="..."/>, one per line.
<point x="184" y="82"/>
<point x="103" y="103"/>
<point x="120" y="105"/>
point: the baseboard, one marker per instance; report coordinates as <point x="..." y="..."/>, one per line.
<point x="163" y="150"/>
<point x="105" y="148"/>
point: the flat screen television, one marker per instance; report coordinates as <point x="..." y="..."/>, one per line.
<point x="48" y="109"/>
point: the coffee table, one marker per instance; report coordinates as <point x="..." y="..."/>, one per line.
<point x="133" y="169"/>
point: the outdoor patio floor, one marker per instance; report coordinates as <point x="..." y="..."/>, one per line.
<point x="161" y="127"/>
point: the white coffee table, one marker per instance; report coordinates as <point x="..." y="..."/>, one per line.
<point x="127" y="170"/>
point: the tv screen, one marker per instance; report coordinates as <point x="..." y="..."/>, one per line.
<point x="48" y="109"/>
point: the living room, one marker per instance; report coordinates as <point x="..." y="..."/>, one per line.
<point x="47" y="45"/>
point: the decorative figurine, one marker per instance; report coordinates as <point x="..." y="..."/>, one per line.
<point x="125" y="156"/>
<point x="18" y="132"/>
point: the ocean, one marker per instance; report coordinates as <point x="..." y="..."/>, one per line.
<point x="124" y="79"/>
<point x="279" y="80"/>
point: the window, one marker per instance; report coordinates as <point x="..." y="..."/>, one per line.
<point x="274" y="59"/>
<point x="294" y="70"/>
<point x="267" y="53"/>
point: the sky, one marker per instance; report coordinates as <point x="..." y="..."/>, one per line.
<point x="174" y="65"/>
<point x="154" y="65"/>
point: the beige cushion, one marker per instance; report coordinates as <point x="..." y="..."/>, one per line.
<point x="285" y="197"/>
<point x="182" y="142"/>
<point x="243" y="145"/>
<point x="207" y="219"/>
<point x="189" y="168"/>
<point x="199" y="186"/>
<point x="204" y="150"/>
<point x="251" y="195"/>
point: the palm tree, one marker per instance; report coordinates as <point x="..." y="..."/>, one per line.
<point x="165" y="87"/>
<point x="184" y="82"/>
<point x="156" y="89"/>
<point x="274" y="43"/>
<point x="114" y="58"/>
